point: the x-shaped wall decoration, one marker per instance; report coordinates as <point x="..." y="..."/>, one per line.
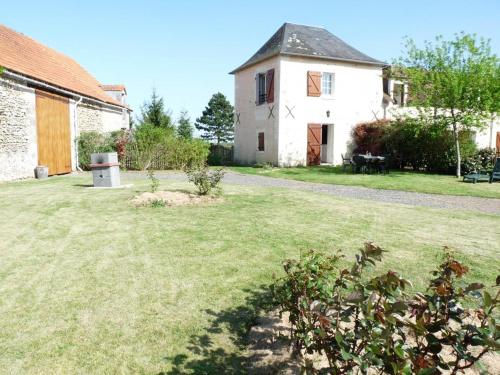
<point x="271" y="114"/>
<point x="290" y="113"/>
<point x="238" y="118"/>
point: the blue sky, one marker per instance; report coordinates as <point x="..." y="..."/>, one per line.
<point x="186" y="48"/>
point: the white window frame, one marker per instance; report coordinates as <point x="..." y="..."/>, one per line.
<point x="332" y="84"/>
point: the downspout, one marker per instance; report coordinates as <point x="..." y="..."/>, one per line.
<point x="75" y="126"/>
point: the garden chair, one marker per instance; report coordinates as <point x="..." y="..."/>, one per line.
<point x="495" y="175"/>
<point x="346" y="161"/>
<point x="359" y="164"/>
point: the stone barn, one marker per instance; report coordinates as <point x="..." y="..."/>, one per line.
<point x="46" y="100"/>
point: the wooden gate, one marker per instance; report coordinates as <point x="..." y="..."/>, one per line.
<point x="313" y="144"/>
<point x="53" y="132"/>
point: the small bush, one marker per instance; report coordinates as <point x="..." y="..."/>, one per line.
<point x="480" y="160"/>
<point x="368" y="137"/>
<point x="206" y="180"/>
<point x="362" y="324"/>
<point x="155" y="182"/>
<point x="158" y="203"/>
<point x="92" y="142"/>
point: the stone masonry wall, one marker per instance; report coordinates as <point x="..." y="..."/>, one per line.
<point x="18" y="149"/>
<point x="90" y="118"/>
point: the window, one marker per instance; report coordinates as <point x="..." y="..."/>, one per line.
<point x="261" y="142"/>
<point x="261" y="88"/>
<point x="327" y="84"/>
<point x="398" y="94"/>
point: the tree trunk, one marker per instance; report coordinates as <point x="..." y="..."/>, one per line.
<point x="457" y="150"/>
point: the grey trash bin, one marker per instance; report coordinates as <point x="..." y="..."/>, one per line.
<point x="105" y="169"/>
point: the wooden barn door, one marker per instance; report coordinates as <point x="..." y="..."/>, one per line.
<point x="53" y="132"/>
<point x="313" y="144"/>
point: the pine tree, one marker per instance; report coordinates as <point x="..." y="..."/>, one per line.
<point x="184" y="127"/>
<point x="216" y="121"/>
<point x="153" y="112"/>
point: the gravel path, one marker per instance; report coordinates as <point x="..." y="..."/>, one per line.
<point x="487" y="205"/>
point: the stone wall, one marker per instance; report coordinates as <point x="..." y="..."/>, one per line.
<point x="18" y="147"/>
<point x="93" y="117"/>
<point x="90" y="118"/>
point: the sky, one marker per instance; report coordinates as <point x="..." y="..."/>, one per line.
<point x="185" y="49"/>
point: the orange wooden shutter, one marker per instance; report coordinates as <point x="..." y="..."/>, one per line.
<point x="313" y="84"/>
<point x="270" y="86"/>
<point x="498" y="142"/>
<point x="314" y="144"/>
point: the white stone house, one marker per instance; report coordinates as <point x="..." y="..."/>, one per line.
<point x="46" y="100"/>
<point x="299" y="96"/>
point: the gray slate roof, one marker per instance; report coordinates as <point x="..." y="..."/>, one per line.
<point x="308" y="41"/>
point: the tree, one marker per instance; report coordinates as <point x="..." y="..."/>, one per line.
<point x="153" y="112"/>
<point x="184" y="127"/>
<point x="216" y="121"/>
<point x="453" y="83"/>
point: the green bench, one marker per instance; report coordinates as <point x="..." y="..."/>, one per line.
<point x="477" y="177"/>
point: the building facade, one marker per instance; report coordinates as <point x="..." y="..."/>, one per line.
<point x="46" y="101"/>
<point x="299" y="96"/>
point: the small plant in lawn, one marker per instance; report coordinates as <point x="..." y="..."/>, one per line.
<point x="362" y="324"/>
<point x="205" y="180"/>
<point x="158" y="203"/>
<point x="155" y="182"/>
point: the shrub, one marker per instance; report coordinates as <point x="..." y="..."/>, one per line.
<point x="205" y="180"/>
<point x="362" y="324"/>
<point x="220" y="154"/>
<point x="418" y="144"/>
<point x="153" y="147"/>
<point x="91" y="142"/>
<point x="482" y="159"/>
<point x="368" y="137"/>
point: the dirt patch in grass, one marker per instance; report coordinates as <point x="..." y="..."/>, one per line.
<point x="172" y="198"/>
<point x="271" y="348"/>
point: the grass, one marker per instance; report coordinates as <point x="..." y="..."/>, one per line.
<point x="395" y="180"/>
<point x="90" y="284"/>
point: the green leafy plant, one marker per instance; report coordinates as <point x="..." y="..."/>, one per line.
<point x="91" y="142"/>
<point x="155" y="182"/>
<point x="453" y="81"/>
<point x="153" y="147"/>
<point x="158" y="203"/>
<point x="206" y="180"/>
<point x="362" y="324"/>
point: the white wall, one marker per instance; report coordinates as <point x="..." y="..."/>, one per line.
<point x="254" y="118"/>
<point x="357" y="97"/>
<point x="18" y="146"/>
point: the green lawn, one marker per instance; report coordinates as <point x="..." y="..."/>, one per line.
<point x="89" y="284"/>
<point x="395" y="180"/>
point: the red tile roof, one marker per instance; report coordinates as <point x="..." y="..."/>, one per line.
<point x="23" y="55"/>
<point x="114" y="88"/>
